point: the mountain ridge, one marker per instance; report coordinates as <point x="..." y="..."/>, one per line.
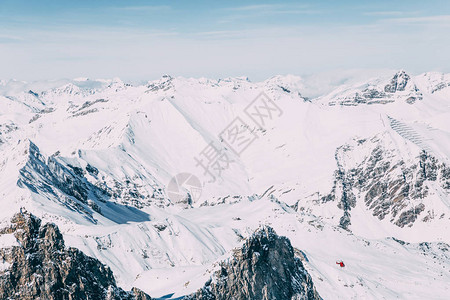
<point x="96" y="159"/>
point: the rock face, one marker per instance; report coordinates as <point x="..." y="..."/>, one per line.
<point x="390" y="186"/>
<point x="75" y="186"/>
<point x="65" y="184"/>
<point x="398" y="82"/>
<point x="41" y="267"/>
<point x="398" y="88"/>
<point x="264" y="268"/>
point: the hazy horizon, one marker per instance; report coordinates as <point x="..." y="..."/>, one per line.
<point x="137" y="40"/>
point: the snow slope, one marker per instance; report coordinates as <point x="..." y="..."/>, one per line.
<point x="96" y="157"/>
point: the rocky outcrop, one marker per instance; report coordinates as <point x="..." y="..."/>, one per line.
<point x="389" y="185"/>
<point x="399" y="87"/>
<point x="64" y="183"/>
<point x="81" y="188"/>
<point x="5" y="129"/>
<point x="264" y="268"/>
<point x="41" y="267"/>
<point x="398" y="82"/>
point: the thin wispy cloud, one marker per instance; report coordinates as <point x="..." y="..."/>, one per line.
<point x="226" y="35"/>
<point x="233" y="14"/>
<point x="146" y="39"/>
<point x="142" y="8"/>
<point x="87" y="35"/>
<point x="258" y="7"/>
<point x="384" y="13"/>
<point x="436" y="20"/>
<point x="269" y="9"/>
<point x="221" y="34"/>
<point x="5" y="38"/>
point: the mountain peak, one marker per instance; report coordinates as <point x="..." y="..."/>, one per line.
<point x="63" y="273"/>
<point x="265" y="267"/>
<point x="398" y="82"/>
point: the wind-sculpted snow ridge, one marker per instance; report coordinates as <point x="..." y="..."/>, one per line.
<point x="54" y="179"/>
<point x="37" y="265"/>
<point x="263" y="268"/>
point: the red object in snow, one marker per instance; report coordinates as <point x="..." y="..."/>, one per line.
<point x="340" y="263"/>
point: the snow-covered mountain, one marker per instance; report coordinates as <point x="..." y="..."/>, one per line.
<point x="359" y="174"/>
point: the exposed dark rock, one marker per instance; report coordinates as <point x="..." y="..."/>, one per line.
<point x="129" y="192"/>
<point x="90" y="103"/>
<point x="410" y="215"/>
<point x="440" y="86"/>
<point x="160" y="226"/>
<point x="164" y="84"/>
<point x="56" y="180"/>
<point x="389" y="185"/>
<point x="92" y="170"/>
<point x="374" y="94"/>
<point x="264" y="268"/>
<point x="63" y="180"/>
<point x="33" y="93"/>
<point x="85" y="112"/>
<point x="5" y="129"/>
<point x="41" y="267"/>
<point x="39" y="173"/>
<point x="77" y="170"/>
<point x="411" y="100"/>
<point x="400" y="241"/>
<point x="398" y="82"/>
<point x="34" y="118"/>
<point x="286" y="90"/>
<point x="344" y="221"/>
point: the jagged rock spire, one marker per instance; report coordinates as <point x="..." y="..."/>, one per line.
<point x="41" y="267"/>
<point x="264" y="268"/>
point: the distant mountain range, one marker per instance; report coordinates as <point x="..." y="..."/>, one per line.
<point x="359" y="174"/>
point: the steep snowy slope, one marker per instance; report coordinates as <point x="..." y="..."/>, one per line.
<point x="374" y="268"/>
<point x="352" y="169"/>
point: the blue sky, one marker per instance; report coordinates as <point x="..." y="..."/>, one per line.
<point x="138" y="40"/>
